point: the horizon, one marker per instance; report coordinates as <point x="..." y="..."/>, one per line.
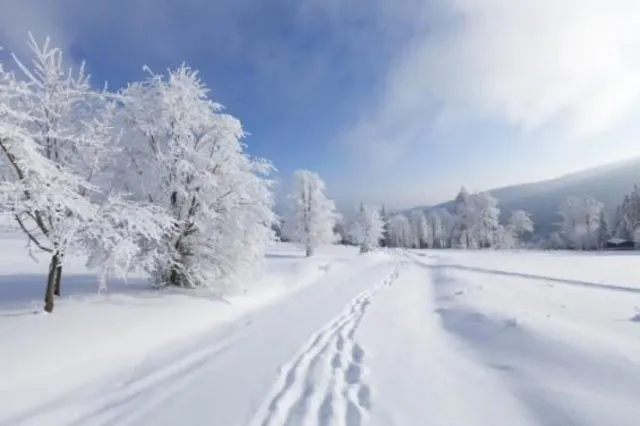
<point x="430" y="109"/>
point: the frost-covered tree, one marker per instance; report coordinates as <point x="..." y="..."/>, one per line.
<point x="311" y="216"/>
<point x="557" y="242"/>
<point x="367" y="228"/>
<point x="342" y="232"/>
<point x="57" y="143"/>
<point x="604" y="231"/>
<point x="437" y="232"/>
<point x="443" y="223"/>
<point x="419" y="229"/>
<point x="183" y="154"/>
<point x="505" y="238"/>
<point x="476" y="223"/>
<point x="462" y="231"/>
<point x="627" y="217"/>
<point x="485" y="216"/>
<point x="580" y="221"/>
<point x="123" y="236"/>
<point x="385" y="240"/>
<point x="400" y="231"/>
<point x="519" y="224"/>
<point x="636" y="237"/>
<point x="622" y="226"/>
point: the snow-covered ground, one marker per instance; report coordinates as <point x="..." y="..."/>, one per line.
<point x="388" y="339"/>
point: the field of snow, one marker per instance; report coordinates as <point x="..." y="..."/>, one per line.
<point x="393" y="338"/>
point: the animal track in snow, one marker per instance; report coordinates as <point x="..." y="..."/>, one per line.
<point x="323" y="385"/>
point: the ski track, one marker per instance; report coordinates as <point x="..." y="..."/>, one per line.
<point x="324" y="384"/>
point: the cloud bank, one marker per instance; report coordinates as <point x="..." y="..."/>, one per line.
<point x="572" y="66"/>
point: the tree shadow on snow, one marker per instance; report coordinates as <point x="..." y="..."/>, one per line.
<point x="285" y="255"/>
<point x="27" y="290"/>
<point x="23" y="294"/>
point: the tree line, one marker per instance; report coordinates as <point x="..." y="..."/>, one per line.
<point x="474" y="222"/>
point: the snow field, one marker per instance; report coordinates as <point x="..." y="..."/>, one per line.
<point x="384" y="339"/>
<point x="568" y="352"/>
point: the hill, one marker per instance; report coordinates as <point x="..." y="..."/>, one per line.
<point x="607" y="184"/>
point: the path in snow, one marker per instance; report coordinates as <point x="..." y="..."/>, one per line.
<point x="324" y="383"/>
<point x="264" y="377"/>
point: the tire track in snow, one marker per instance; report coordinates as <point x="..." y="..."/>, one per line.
<point x="323" y="385"/>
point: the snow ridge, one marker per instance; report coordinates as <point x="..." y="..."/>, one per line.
<point x="323" y="385"/>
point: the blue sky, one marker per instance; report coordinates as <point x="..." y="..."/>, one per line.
<point x="390" y="101"/>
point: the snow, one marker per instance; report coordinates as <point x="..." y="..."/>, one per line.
<point x="568" y="351"/>
<point x="93" y="337"/>
<point x="338" y="339"/>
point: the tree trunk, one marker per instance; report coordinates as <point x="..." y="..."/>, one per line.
<point x="58" y="278"/>
<point x="173" y="277"/>
<point x="54" y="267"/>
<point x="309" y="251"/>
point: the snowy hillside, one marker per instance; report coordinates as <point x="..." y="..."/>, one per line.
<point x="607" y="184"/>
<point x="387" y="338"/>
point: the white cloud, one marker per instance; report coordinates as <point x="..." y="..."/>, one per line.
<point x="569" y="65"/>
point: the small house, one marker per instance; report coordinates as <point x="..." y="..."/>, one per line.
<point x="620" y="244"/>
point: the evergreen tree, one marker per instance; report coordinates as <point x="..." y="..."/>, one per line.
<point x="604" y="233"/>
<point x="385" y="239"/>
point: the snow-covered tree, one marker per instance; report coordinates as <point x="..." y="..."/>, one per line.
<point x="465" y="214"/>
<point x="636" y="237"/>
<point x="580" y="221"/>
<point x="342" y="232"/>
<point x="622" y="227"/>
<point x="419" y="229"/>
<point x="627" y="217"/>
<point x="505" y="238"/>
<point x="57" y="143"/>
<point x="400" y="231"/>
<point x="430" y="230"/>
<point x="367" y="228"/>
<point x="123" y="236"/>
<point x="485" y="216"/>
<point x="476" y="222"/>
<point x="604" y="231"/>
<point x="183" y="154"/>
<point x="437" y="233"/>
<point x="557" y="242"/>
<point x="311" y="216"/>
<point x="519" y="224"/>
<point x="385" y="240"/>
<point x="442" y="223"/>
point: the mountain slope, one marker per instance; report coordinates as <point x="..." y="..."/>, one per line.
<point x="607" y="184"/>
